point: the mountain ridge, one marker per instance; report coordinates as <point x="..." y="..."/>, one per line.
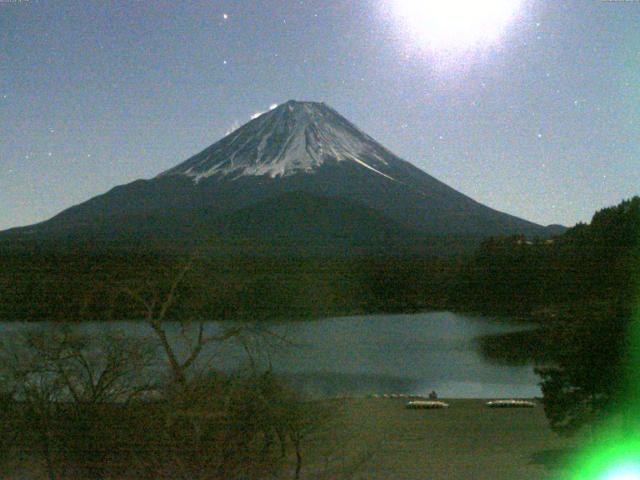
<point x="296" y="147"/>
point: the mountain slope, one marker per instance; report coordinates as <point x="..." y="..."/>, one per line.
<point x="297" y="147"/>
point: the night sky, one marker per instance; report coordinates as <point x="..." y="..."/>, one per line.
<point x="539" y="118"/>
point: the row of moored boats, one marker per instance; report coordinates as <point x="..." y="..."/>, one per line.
<point x="510" y="403"/>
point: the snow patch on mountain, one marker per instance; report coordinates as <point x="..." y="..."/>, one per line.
<point x="295" y="137"/>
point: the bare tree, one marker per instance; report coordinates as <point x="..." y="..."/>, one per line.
<point x="156" y="306"/>
<point x="66" y="383"/>
<point x="223" y="426"/>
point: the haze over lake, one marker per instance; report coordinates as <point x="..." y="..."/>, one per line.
<point x="370" y="354"/>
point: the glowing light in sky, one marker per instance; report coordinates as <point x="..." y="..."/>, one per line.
<point x="454" y="25"/>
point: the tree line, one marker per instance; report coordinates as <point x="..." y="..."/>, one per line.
<point x="87" y="285"/>
<point x="582" y="290"/>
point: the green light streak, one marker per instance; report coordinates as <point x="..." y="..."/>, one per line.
<point x="614" y="452"/>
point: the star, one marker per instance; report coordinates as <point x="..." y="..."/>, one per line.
<point x="225" y="16"/>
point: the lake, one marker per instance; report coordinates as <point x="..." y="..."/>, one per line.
<point x="369" y="354"/>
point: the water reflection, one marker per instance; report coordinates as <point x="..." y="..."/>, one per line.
<point x="373" y="354"/>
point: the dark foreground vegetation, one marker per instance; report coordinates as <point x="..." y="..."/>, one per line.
<point x="582" y="290"/>
<point x="62" y="285"/>
<point x="81" y="407"/>
<point x="104" y="419"/>
<point x="85" y="407"/>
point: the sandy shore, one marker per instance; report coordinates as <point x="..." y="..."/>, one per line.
<point x="384" y="440"/>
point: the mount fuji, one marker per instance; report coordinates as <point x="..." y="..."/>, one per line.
<point x="300" y="174"/>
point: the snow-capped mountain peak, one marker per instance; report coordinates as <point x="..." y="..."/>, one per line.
<point x="295" y="137"/>
<point x="299" y="162"/>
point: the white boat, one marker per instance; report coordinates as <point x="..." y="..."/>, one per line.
<point x="510" y="403"/>
<point x="426" y="404"/>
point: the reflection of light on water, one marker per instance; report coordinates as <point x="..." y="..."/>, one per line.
<point x="411" y="354"/>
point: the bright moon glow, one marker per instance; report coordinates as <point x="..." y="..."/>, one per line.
<point x="451" y="25"/>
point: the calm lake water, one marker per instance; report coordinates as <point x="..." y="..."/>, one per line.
<point x="372" y="354"/>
